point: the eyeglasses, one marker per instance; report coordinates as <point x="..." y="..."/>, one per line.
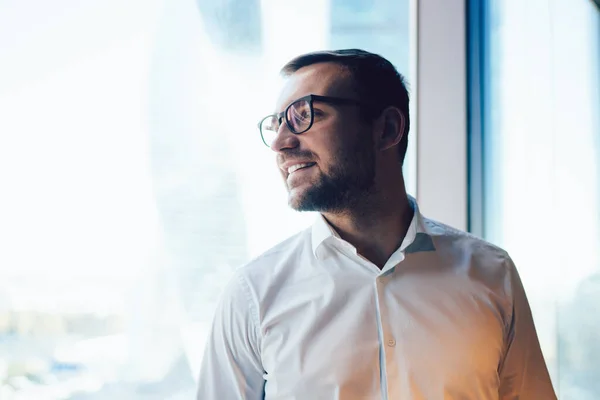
<point x="299" y="116"/>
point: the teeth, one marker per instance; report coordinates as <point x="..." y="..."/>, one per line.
<point x="298" y="166"/>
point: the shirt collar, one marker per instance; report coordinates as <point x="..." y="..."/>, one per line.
<point x="418" y="237"/>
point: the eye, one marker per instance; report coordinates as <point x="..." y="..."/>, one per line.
<point x="318" y="112"/>
<point x="299" y="113"/>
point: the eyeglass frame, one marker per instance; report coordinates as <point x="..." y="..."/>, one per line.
<point x="310" y="99"/>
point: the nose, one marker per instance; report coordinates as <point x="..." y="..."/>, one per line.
<point x="284" y="139"/>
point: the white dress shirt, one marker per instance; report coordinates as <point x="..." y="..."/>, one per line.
<point x="446" y="318"/>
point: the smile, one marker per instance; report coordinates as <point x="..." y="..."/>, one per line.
<point x="296" y="167"/>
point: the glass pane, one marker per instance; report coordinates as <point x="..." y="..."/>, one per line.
<point x="132" y="186"/>
<point x="542" y="175"/>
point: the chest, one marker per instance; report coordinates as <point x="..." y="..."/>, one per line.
<point x="331" y="335"/>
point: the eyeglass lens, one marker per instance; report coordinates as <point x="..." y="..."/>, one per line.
<point x="298" y="115"/>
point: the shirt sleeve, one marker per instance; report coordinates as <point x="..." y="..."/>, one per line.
<point x="523" y="372"/>
<point x="231" y="366"/>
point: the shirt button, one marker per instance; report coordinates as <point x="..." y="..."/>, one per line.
<point x="391" y="342"/>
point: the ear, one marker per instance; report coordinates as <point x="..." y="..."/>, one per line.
<point x="391" y="127"/>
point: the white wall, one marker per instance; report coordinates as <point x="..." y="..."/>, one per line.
<point x="439" y="119"/>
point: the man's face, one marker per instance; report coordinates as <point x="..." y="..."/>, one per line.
<point x="337" y="152"/>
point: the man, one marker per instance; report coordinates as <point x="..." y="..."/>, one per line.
<point x="374" y="301"/>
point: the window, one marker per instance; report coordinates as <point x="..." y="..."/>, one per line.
<point x="539" y="193"/>
<point x="129" y="189"/>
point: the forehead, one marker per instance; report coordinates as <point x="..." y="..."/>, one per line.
<point x="325" y="79"/>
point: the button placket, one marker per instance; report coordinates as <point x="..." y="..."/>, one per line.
<point x="389" y="344"/>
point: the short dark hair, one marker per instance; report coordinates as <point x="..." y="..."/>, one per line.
<point x="377" y="81"/>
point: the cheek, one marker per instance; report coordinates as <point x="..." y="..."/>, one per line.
<point x="334" y="143"/>
<point x="329" y="145"/>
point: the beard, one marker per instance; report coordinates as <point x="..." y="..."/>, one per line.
<point x="348" y="183"/>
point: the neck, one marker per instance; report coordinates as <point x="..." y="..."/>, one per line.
<point x="378" y="226"/>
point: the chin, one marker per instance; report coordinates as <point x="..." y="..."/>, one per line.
<point x="296" y="200"/>
<point x="299" y="200"/>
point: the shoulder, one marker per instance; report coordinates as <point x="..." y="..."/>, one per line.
<point x="473" y="257"/>
<point x="277" y="264"/>
<point x="245" y="289"/>
<point x="452" y="240"/>
<point x="479" y="262"/>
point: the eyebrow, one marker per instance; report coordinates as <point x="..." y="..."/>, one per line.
<point x="288" y="104"/>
